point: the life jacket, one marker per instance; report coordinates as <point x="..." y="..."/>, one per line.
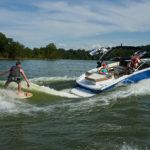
<point x="15" y="71"/>
<point x="134" y="61"/>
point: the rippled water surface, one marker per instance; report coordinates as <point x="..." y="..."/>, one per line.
<point x="55" y="119"/>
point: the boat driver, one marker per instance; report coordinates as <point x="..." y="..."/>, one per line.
<point x="104" y="69"/>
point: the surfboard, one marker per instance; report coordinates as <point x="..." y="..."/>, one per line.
<point x="95" y="52"/>
<point x="24" y="95"/>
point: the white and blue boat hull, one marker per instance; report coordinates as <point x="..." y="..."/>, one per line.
<point x="84" y="86"/>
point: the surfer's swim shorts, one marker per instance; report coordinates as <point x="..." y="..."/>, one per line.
<point x="14" y="79"/>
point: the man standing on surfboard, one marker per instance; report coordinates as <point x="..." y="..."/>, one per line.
<point x="14" y="76"/>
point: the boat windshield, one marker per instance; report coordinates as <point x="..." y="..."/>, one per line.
<point x="145" y="64"/>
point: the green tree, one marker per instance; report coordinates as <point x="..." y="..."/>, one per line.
<point x="16" y="50"/>
<point x="50" y="51"/>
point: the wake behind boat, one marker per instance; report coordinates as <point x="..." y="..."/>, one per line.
<point x="91" y="82"/>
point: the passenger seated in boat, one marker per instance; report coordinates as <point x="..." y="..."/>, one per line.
<point x="133" y="65"/>
<point x="104" y="70"/>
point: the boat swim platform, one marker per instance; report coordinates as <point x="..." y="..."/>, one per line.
<point x="98" y="77"/>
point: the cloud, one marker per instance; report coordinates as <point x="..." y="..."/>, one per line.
<point x="94" y="46"/>
<point x="62" y="45"/>
<point x="63" y="22"/>
<point x="130" y="16"/>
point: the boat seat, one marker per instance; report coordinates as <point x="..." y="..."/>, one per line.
<point x="98" y="77"/>
<point x="119" y="70"/>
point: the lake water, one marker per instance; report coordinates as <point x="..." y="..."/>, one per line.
<point x="55" y="119"/>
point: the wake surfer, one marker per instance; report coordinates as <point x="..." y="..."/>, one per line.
<point x="14" y="76"/>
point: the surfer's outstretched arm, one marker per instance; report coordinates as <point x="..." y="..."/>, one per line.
<point x="3" y="73"/>
<point x="26" y="79"/>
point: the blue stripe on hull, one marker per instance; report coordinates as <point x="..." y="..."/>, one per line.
<point x="137" y="77"/>
<point x="132" y="79"/>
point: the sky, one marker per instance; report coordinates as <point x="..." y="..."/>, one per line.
<point x="84" y="24"/>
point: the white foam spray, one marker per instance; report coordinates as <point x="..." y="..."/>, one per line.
<point x="126" y="146"/>
<point x="51" y="79"/>
<point x="11" y="105"/>
<point x="43" y="89"/>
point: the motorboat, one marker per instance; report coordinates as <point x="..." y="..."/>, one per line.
<point x="92" y="82"/>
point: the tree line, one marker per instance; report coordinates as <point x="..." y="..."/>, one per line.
<point x="10" y="49"/>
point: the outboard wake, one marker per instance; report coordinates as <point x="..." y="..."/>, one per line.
<point x="41" y="85"/>
<point x="11" y="105"/>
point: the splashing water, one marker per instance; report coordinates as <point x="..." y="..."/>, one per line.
<point x="115" y="119"/>
<point x="9" y="104"/>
